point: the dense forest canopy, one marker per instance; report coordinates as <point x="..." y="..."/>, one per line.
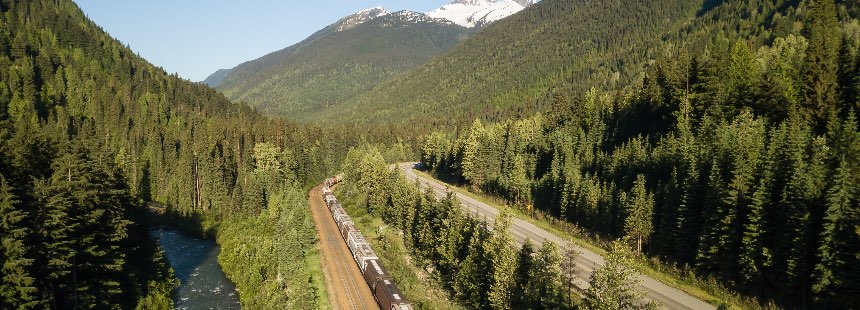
<point x="741" y="162"/>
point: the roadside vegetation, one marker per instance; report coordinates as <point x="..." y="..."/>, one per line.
<point x="738" y="166"/>
<point x="478" y="266"/>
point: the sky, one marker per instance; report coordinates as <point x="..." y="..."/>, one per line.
<point x="195" y="38"/>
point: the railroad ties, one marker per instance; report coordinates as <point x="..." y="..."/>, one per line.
<point x="387" y="295"/>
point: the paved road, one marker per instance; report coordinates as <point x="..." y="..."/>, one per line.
<point x="670" y="297"/>
<point x="346" y="285"/>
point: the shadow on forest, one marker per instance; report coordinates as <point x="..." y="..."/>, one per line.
<point x="707" y="6"/>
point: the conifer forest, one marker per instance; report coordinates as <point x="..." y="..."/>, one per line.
<point x="712" y="145"/>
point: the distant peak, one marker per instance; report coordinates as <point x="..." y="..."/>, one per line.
<point x="360" y="17"/>
<point x="371" y="10"/>
<point x="478" y="13"/>
<point x="411" y="17"/>
<point x="472" y="2"/>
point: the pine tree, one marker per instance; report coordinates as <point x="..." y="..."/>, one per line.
<point x="473" y="277"/>
<point x="17" y="288"/>
<point x="569" y="270"/>
<point x="754" y="256"/>
<point x="522" y="284"/>
<point x="615" y="285"/>
<point x="640" y="212"/>
<point x="85" y="231"/>
<point x="504" y="263"/>
<point x="708" y="256"/>
<point x="470" y="162"/>
<point x="822" y="31"/>
<point x="835" y="279"/>
<point x="546" y="279"/>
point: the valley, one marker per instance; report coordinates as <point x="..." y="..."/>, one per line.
<point x="488" y="154"/>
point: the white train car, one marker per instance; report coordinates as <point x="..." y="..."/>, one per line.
<point x="361" y="250"/>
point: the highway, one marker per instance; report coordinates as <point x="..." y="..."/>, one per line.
<point x="671" y="298"/>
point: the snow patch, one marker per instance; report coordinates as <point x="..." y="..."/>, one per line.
<point x="360" y="17"/>
<point x="477" y="13"/>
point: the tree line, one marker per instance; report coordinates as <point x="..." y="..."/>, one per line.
<point x="480" y="265"/>
<point x="741" y="163"/>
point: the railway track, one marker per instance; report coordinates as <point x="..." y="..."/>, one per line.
<point x="347" y="292"/>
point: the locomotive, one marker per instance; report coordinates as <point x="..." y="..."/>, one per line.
<point x="387" y="295"/>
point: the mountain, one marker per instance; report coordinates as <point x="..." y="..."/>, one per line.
<point x="340" y="61"/>
<point x="216" y="78"/>
<point x="478" y="13"/>
<point x="517" y="64"/>
<point x="360" y="17"/>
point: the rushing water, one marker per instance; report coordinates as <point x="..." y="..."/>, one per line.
<point x="203" y="284"/>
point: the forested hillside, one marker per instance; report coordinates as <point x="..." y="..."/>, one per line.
<point x="309" y="79"/>
<point x="480" y="267"/>
<point x="741" y="163"/>
<point x="511" y="68"/>
<point x="90" y="133"/>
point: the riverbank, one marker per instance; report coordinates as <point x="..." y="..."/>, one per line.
<point x="202" y="283"/>
<point x="268" y="251"/>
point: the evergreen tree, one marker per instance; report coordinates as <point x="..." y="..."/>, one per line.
<point x="89" y="202"/>
<point x="17" y="288"/>
<point x="615" y="285"/>
<point x="546" y="279"/>
<point x="569" y="270"/>
<point x="523" y="296"/>
<point x="640" y="212"/>
<point x="820" y="79"/>
<point x="473" y="276"/>
<point x="504" y="263"/>
<point x="835" y="278"/>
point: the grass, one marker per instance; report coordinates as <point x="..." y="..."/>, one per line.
<point x="706" y="289"/>
<point x="315" y="266"/>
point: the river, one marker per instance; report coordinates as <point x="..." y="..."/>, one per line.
<point x="203" y="285"/>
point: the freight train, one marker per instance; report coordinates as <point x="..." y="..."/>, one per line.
<point x="387" y="295"/>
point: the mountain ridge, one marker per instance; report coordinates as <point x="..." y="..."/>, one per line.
<point x="343" y="59"/>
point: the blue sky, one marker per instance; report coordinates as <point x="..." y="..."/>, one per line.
<point x="197" y="37"/>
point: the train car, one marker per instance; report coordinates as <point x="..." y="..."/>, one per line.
<point x="326" y="191"/>
<point x="329" y="200"/>
<point x="337" y="204"/>
<point x="361" y="250"/>
<point x="375" y="274"/>
<point x="338" y="211"/>
<point x="346" y="228"/>
<point x="341" y="221"/>
<point x="389" y="297"/>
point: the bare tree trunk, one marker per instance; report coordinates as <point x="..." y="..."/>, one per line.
<point x="197" y="203"/>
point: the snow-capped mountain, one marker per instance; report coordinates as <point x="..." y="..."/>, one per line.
<point x="477" y="13"/>
<point x="409" y="17"/>
<point x="402" y="16"/>
<point x="360" y="17"/>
